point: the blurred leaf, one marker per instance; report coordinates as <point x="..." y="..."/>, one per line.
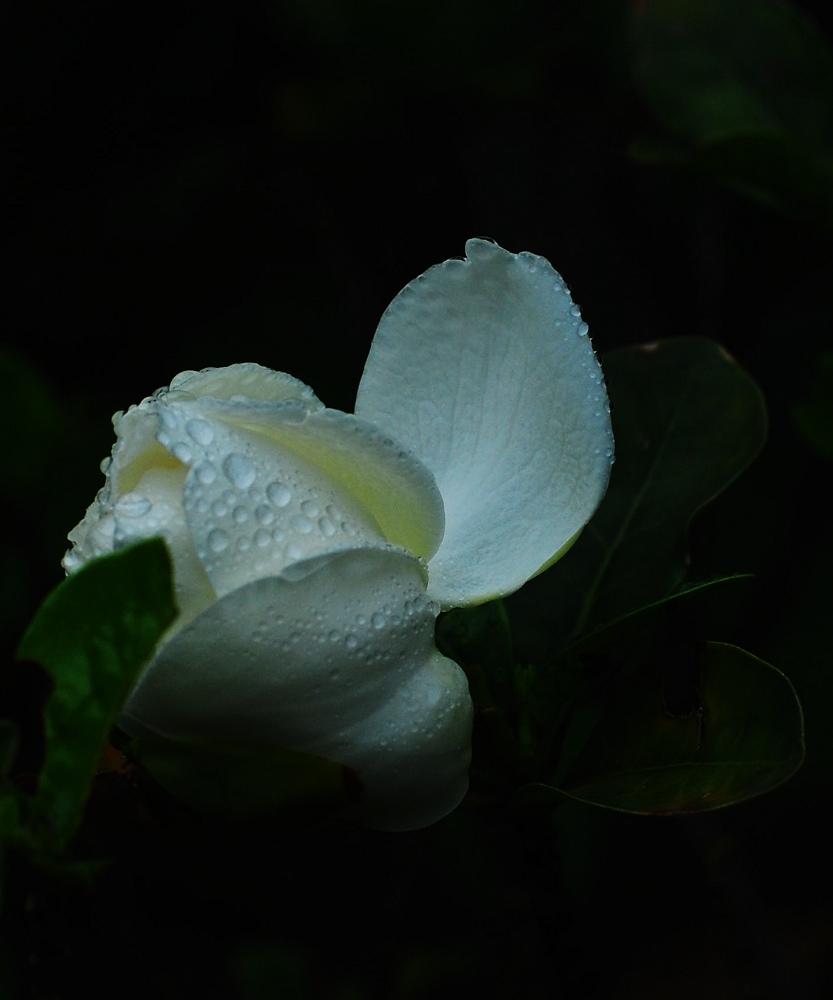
<point x="237" y="781"/>
<point x="814" y="414"/>
<point x="686" y="421"/>
<point x="743" y="737"/>
<point x="8" y="745"/>
<point x="772" y="169"/>
<point x="707" y="68"/>
<point x="747" y="87"/>
<point x="93" y="634"/>
<point x="26" y="404"/>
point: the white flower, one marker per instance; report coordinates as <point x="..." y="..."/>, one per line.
<point x="313" y="549"/>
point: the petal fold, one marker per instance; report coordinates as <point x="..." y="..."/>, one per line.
<point x="483" y="368"/>
<point x="333" y="657"/>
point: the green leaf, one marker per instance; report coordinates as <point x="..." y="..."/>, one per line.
<point x="814" y="414"/>
<point x="8" y="745"/>
<point x="775" y="170"/>
<point x="686" y="421"/>
<point x="479" y="639"/>
<point x="747" y="88"/>
<point x="708" y="68"/>
<point x="93" y="634"/>
<point x="238" y="782"/>
<point x="742" y="736"/>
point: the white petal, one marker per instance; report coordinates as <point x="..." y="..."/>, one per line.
<point x="142" y="498"/>
<point x="334" y="657"/>
<point x="273" y="483"/>
<point x="248" y="380"/>
<point x="483" y="368"/>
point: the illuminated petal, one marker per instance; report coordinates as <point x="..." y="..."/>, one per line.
<point x="272" y="483"/>
<point x="334" y="657"/>
<point x="483" y="368"/>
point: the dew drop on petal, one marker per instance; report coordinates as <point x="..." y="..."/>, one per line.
<point x="240" y="514"/>
<point x="182" y="453"/>
<point x="582" y="329"/>
<point x="206" y="473"/>
<point x="310" y="508"/>
<point x="239" y="470"/>
<point x="301" y="524"/>
<point x="200" y="431"/>
<point x="264" y="514"/>
<point x="279" y="494"/>
<point x="262" y="538"/>
<point x="327" y="527"/>
<point x="377" y="620"/>
<point x="351" y="641"/>
<point x="217" y="540"/>
<point x="133" y="505"/>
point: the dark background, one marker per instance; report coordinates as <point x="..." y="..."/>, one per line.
<point x="191" y="184"/>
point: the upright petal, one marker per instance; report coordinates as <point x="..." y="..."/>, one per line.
<point x="482" y="367"/>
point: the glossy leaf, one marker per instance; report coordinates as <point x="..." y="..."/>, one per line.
<point x="93" y="634"/>
<point x="742" y="736"/>
<point x="672" y="403"/>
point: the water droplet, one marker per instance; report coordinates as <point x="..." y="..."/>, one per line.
<point x="182" y="453"/>
<point x="200" y="431"/>
<point x="133" y="505"/>
<point x="301" y="524"/>
<point x="217" y="540"/>
<point x="351" y="641"/>
<point x="377" y="620"/>
<point x="582" y="329"/>
<point x="167" y="418"/>
<point x="105" y="464"/>
<point x="219" y="509"/>
<point x="334" y="635"/>
<point x="240" y="515"/>
<point x="244" y="544"/>
<point x="279" y="494"/>
<point x="574" y="310"/>
<point x="294" y="551"/>
<point x="262" y="538"/>
<point x="327" y="527"/>
<point x="264" y="514"/>
<point x="206" y="473"/>
<point x="239" y="470"/>
<point x="310" y="509"/>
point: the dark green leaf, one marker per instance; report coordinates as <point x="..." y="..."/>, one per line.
<point x="686" y="421"/>
<point x="708" y="68"/>
<point x="747" y="89"/>
<point x="742" y="736"/>
<point x="93" y="635"/>
<point x="8" y="745"/>
<point x="479" y="639"/>
<point x="236" y="781"/>
<point x="773" y="169"/>
<point x="814" y="414"/>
